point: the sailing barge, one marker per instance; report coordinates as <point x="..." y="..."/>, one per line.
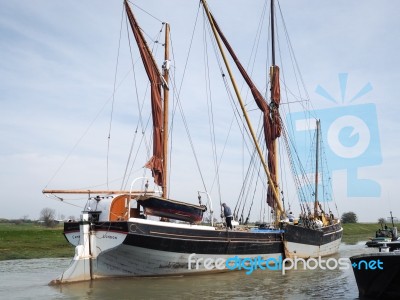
<point x="115" y="237"/>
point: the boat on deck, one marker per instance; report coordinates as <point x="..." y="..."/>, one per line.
<point x="167" y="208"/>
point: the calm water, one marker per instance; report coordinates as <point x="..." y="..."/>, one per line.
<point x="28" y="279"/>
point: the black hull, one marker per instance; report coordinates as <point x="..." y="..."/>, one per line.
<point x="303" y="235"/>
<point x="378" y="283"/>
<point x="186" y="240"/>
<point x="182" y="240"/>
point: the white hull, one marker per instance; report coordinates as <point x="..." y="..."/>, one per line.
<point x="131" y="261"/>
<point x="306" y="251"/>
<point x="135" y="261"/>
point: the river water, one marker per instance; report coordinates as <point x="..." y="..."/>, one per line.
<point x="28" y="279"/>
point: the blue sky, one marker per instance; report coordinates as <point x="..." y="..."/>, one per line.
<point x="58" y="61"/>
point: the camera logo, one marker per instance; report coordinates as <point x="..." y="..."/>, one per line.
<point x="351" y="136"/>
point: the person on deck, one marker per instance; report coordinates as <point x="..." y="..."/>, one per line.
<point x="228" y="215"/>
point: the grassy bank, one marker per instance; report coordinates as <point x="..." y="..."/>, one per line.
<point x="28" y="240"/>
<point x="360" y="231"/>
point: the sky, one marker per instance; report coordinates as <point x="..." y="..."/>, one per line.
<point x="57" y="72"/>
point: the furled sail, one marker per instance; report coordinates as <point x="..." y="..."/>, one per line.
<point x="271" y="117"/>
<point x="274" y="128"/>
<point x="155" y="163"/>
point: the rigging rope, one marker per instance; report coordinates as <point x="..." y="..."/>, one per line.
<point x="145" y="11"/>
<point x="113" y="96"/>
<point x="210" y="111"/>
<point x="85" y="132"/>
<point x="236" y="111"/>
<point x="177" y="104"/>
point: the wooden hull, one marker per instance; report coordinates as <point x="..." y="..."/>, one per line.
<point x="141" y="247"/>
<point x="305" y="242"/>
<point x="153" y="248"/>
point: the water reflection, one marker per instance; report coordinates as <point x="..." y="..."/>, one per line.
<point x="352" y="241"/>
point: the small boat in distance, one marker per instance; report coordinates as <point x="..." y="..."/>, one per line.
<point x="384" y="234"/>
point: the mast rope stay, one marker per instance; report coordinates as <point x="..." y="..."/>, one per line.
<point x="178" y="105"/>
<point x="210" y="113"/>
<point x="237" y="115"/>
<point x="113" y="100"/>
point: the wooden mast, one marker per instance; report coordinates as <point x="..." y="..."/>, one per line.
<point x="316" y="169"/>
<point x="241" y="103"/>
<point x="105" y="192"/>
<point x="272" y="70"/>
<point x="165" y="112"/>
<point x="273" y="32"/>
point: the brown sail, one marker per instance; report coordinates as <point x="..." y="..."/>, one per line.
<point x="155" y="163"/>
<point x="274" y="128"/>
<point x="271" y="117"/>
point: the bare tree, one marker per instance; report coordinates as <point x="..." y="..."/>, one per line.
<point x="47" y="215"/>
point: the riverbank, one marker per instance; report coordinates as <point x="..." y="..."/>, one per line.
<point x="354" y="232"/>
<point x="30" y="240"/>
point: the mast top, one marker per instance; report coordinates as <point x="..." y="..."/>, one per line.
<point x="273" y="32"/>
